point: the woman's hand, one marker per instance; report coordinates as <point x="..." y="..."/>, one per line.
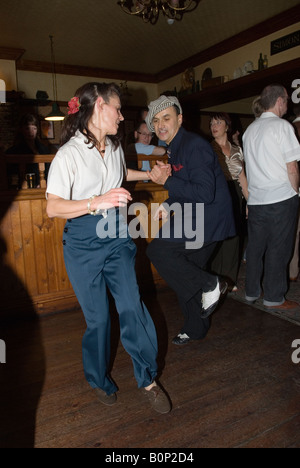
<point x="58" y="207"/>
<point x="113" y="198"/>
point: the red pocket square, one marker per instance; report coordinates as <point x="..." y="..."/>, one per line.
<point x="177" y="168"/>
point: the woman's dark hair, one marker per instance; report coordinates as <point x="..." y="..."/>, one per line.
<point x="222" y="116"/>
<point x="29" y="119"/>
<point x="25" y="121"/>
<point x="139" y="124"/>
<point x="88" y="95"/>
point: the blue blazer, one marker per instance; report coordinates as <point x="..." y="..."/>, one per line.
<point x="197" y="178"/>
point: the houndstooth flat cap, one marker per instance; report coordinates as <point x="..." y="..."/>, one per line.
<point x="160" y="104"/>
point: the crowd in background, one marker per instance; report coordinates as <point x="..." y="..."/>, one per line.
<point x="226" y="141"/>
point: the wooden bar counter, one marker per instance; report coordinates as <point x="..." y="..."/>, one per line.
<point x="33" y="279"/>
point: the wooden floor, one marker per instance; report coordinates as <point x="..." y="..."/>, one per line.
<point x="237" y="388"/>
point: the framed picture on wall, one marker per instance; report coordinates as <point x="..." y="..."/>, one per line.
<point x="47" y="130"/>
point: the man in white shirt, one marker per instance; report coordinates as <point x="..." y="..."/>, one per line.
<point x="271" y="153"/>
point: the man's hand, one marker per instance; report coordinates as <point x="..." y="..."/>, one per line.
<point x="160" y="173"/>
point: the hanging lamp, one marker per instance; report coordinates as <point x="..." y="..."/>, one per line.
<point x="56" y="114"/>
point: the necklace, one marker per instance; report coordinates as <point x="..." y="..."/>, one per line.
<point x="101" y="151"/>
<point x="98" y="146"/>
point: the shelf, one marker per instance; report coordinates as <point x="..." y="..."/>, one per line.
<point x="244" y="87"/>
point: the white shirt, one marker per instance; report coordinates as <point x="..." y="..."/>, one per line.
<point x="269" y="144"/>
<point x="77" y="172"/>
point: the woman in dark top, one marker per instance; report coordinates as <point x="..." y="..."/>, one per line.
<point x="227" y="257"/>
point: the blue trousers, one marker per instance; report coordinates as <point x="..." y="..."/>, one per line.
<point x="93" y="264"/>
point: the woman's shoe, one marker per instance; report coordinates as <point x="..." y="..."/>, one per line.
<point x="108" y="400"/>
<point x="158" y="399"/>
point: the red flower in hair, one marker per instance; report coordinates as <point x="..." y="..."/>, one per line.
<point x="74" y="105"/>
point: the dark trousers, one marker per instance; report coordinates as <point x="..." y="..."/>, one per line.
<point x="93" y="265"/>
<point x="271" y="236"/>
<point x="226" y="259"/>
<point x="184" y="271"/>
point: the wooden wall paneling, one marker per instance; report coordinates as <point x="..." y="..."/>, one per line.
<point x="32" y="273"/>
<point x="40" y="246"/>
<point x="63" y="280"/>
<point x="54" y="264"/>
<point x="158" y="197"/>
<point x="146" y="194"/>
<point x="29" y="250"/>
<point x="19" y="264"/>
<point x="7" y="251"/>
<point x="51" y="260"/>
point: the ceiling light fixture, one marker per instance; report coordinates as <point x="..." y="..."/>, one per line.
<point x="149" y="10"/>
<point x="56" y="114"/>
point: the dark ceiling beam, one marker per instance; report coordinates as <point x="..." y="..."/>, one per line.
<point x="9" y="53"/>
<point x="63" y="69"/>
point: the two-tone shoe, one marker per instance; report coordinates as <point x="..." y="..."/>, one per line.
<point x="210" y="299"/>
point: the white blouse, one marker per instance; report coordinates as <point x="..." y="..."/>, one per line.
<point x="269" y="144"/>
<point x="78" y="171"/>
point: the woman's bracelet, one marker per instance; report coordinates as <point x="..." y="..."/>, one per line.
<point x="90" y="212"/>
